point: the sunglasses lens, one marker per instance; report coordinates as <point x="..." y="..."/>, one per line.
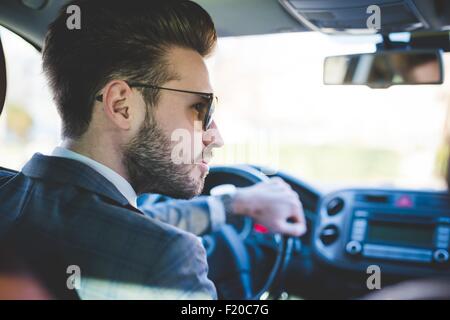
<point x="208" y="117"/>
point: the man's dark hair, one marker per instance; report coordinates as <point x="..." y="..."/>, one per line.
<point x="125" y="40"/>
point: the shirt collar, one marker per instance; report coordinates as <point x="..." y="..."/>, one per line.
<point x="116" y="179"/>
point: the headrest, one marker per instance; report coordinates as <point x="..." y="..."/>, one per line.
<point x="2" y="78"/>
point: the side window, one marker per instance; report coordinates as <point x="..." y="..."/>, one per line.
<point x="29" y="122"/>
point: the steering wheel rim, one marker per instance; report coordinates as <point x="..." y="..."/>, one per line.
<point x="242" y="261"/>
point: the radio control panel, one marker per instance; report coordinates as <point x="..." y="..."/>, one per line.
<point x="403" y="231"/>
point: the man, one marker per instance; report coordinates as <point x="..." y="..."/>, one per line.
<point x="124" y="83"/>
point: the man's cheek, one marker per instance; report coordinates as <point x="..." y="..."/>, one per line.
<point x="181" y="147"/>
<point x="187" y="146"/>
<point x="197" y="145"/>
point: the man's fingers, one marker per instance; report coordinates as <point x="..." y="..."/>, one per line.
<point x="295" y="218"/>
<point x="297" y="208"/>
<point x="293" y="229"/>
<point x="296" y="224"/>
<point x="276" y="180"/>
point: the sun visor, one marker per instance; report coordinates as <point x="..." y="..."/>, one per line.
<point x="356" y="16"/>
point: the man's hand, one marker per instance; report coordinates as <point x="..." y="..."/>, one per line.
<point x="272" y="204"/>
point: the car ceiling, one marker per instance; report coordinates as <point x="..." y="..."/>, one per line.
<point x="30" y="18"/>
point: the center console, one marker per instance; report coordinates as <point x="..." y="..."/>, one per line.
<point x="403" y="232"/>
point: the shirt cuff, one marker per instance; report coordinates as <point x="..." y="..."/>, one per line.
<point x="217" y="213"/>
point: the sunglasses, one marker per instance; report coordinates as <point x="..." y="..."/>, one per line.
<point x="205" y="110"/>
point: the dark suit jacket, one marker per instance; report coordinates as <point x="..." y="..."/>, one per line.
<point x="88" y="223"/>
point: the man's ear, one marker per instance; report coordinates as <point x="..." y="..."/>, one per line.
<point x="116" y="103"/>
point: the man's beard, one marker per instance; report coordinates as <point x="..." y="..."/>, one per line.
<point x="147" y="158"/>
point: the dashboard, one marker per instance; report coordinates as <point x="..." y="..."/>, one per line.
<point x="403" y="232"/>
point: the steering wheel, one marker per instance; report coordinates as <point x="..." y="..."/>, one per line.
<point x="233" y="279"/>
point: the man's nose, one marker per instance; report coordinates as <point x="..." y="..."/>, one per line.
<point x="212" y="137"/>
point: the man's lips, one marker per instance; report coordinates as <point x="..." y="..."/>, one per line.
<point x="201" y="159"/>
<point x="203" y="164"/>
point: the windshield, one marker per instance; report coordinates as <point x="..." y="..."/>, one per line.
<point x="274" y="111"/>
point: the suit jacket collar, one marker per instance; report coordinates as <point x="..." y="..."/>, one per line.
<point x="72" y="172"/>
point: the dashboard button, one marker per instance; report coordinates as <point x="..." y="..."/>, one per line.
<point x="361" y="214"/>
<point x="353" y="248"/>
<point x="360" y="223"/>
<point x="335" y="206"/>
<point x="442" y="245"/>
<point x="329" y="234"/>
<point x="440" y="256"/>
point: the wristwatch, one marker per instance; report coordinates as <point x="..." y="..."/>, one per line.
<point x="226" y="194"/>
<point x="227" y="200"/>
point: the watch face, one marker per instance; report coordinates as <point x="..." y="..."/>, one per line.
<point x="227" y="200"/>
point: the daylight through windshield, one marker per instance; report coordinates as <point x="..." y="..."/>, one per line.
<point x="275" y="111"/>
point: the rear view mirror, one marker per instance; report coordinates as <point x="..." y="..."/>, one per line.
<point x="384" y="69"/>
